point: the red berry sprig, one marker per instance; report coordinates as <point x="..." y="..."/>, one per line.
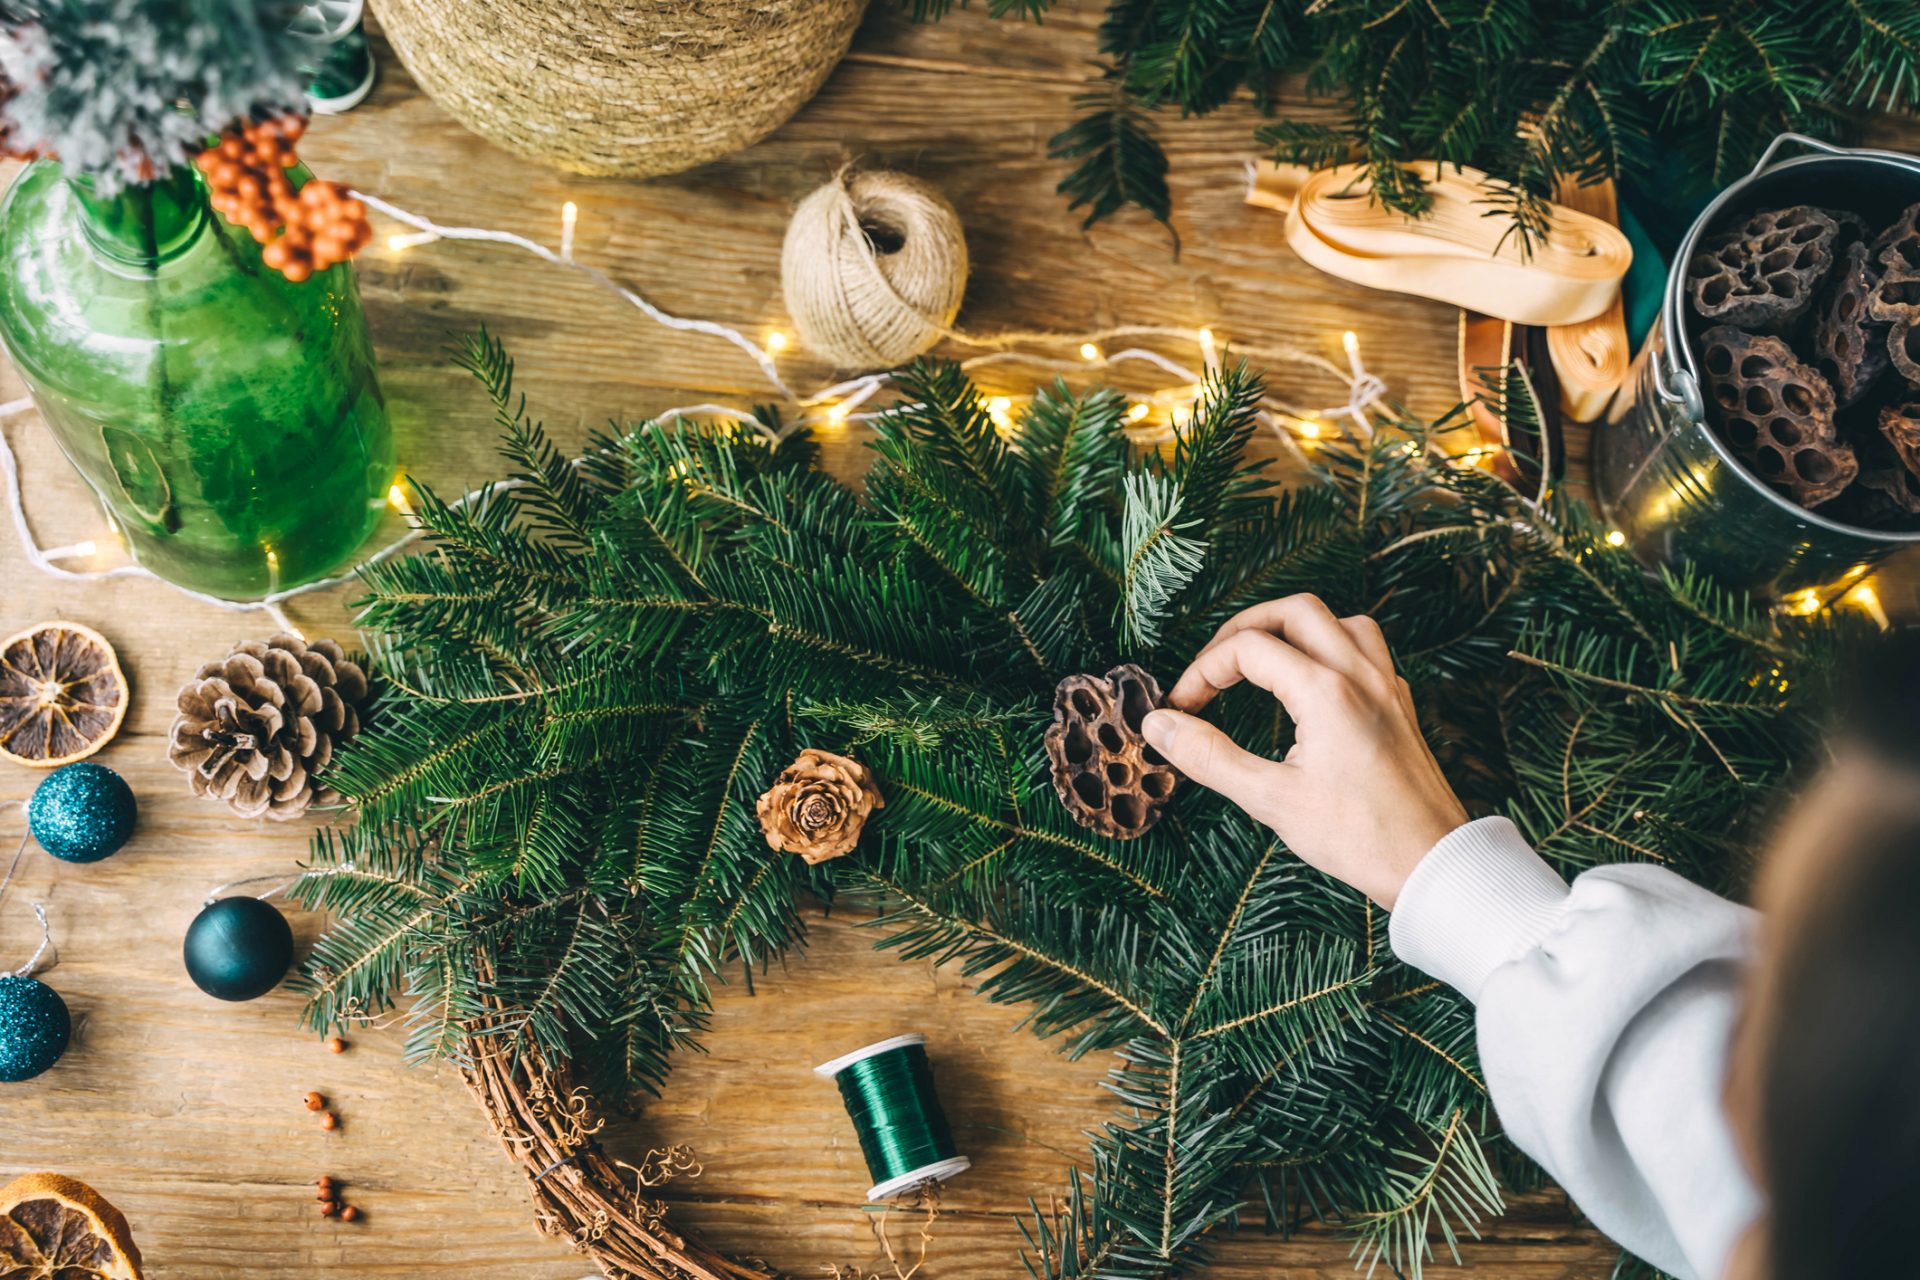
<point x="302" y="232"/>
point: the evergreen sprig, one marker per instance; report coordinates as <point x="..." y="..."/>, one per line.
<point x="123" y="90"/>
<point x="595" y="669"/>
<point x="1531" y="91"/>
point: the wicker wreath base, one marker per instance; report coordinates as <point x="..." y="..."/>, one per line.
<point x="602" y="1205"/>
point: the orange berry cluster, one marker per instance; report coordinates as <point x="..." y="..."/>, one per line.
<point x="304" y="231"/>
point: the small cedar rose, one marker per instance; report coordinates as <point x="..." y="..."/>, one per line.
<point x="817" y="806"/>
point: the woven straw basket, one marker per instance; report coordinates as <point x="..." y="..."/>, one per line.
<point x="604" y="87"/>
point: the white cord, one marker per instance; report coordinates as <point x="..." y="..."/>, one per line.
<point x="538" y="250"/>
<point x="1363" y="390"/>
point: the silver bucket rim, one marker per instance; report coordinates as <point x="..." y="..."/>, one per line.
<point x="1676" y="374"/>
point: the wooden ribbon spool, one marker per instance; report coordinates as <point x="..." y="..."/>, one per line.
<point x="1456" y="253"/>
<point x="1569" y="283"/>
<point x="1591" y="356"/>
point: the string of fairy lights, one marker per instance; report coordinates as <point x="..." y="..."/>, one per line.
<point x="1152" y="416"/>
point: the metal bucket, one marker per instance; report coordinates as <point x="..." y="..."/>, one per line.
<point x="1667" y="481"/>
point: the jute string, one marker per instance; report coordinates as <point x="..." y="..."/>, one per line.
<point x="874" y="268"/>
<point x="612" y="87"/>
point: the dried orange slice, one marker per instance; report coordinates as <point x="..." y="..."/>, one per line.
<point x="54" y="1227"/>
<point x="62" y="696"/>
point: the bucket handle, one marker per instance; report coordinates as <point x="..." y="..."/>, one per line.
<point x="1801" y="139"/>
<point x="1684" y="389"/>
<point x="1684" y="392"/>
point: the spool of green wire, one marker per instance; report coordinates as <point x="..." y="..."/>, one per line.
<point x="888" y="1091"/>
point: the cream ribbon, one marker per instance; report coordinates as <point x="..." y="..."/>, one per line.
<point x="1456" y="253"/>
<point x="1592" y="356"/>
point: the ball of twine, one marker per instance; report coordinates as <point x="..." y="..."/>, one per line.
<point x="874" y="267"/>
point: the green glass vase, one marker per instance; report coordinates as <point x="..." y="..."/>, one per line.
<point x="230" y="421"/>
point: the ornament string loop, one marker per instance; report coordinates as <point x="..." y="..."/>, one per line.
<point x="282" y="882"/>
<point x="39" y="911"/>
<point x="888" y="1091"/>
<point x="18" y="853"/>
<point x="46" y="945"/>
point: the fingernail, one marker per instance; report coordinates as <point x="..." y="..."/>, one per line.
<point x="1160" y="727"/>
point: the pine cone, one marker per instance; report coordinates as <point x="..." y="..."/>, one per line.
<point x="257" y="728"/>
<point x="817" y="806"/>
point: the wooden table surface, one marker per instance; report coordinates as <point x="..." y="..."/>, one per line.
<point x="186" y="1111"/>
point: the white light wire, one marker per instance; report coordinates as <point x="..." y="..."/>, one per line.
<point x="843" y="398"/>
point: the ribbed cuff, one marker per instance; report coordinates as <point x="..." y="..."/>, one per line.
<point x="1480" y="898"/>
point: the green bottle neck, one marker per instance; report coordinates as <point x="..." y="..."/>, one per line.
<point x="142" y="225"/>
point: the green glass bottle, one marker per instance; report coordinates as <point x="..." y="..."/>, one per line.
<point x="230" y="421"/>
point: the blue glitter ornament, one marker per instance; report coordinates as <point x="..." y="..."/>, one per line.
<point x="34" y="1027"/>
<point x="81" y="813"/>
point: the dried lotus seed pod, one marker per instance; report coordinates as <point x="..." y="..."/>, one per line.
<point x="1900" y="425"/>
<point x="1849" y="343"/>
<point x="1897" y="247"/>
<point x="1887" y="494"/>
<point x="1107" y="775"/>
<point x="1776" y="415"/>
<point x="1762" y="276"/>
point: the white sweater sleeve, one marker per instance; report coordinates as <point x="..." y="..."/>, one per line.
<point x="1604" y="1015"/>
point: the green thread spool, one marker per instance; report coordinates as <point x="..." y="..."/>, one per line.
<point x="888" y="1091"/>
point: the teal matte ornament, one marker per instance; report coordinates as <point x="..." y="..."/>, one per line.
<point x="82" y="812"/>
<point x="238" y="948"/>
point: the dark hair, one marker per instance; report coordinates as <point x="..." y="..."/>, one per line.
<point x="1839" y="1080"/>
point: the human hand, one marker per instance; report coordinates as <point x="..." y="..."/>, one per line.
<point x="1359" y="795"/>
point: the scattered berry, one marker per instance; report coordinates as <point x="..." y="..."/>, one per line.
<point x="349" y="1213"/>
<point x="336" y="1045"/>
<point x="329" y="1207"/>
<point x="328" y="1120"/>
<point x="315" y="1101"/>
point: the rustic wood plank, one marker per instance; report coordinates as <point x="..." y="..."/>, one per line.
<point x="186" y="1111"/>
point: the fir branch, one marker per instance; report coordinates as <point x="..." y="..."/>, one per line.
<point x="125" y="90"/>
<point x="556" y="843"/>
<point x="1159" y="557"/>
<point x="1120" y="163"/>
<point x="1534" y="94"/>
